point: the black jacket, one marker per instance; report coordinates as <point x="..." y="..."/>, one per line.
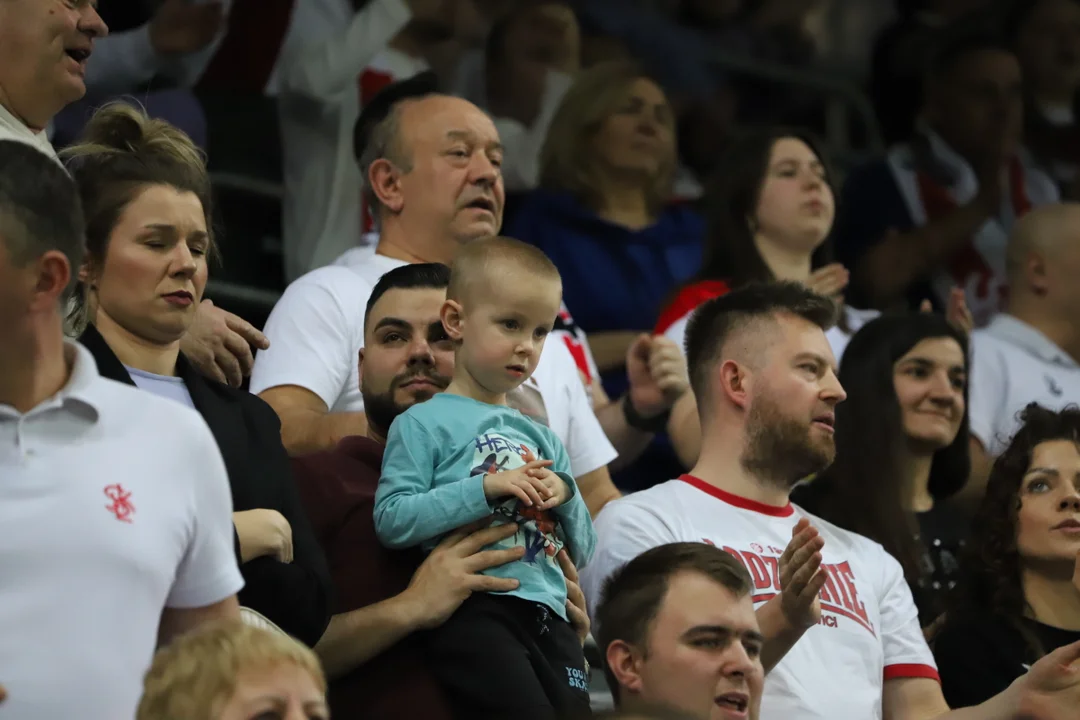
<point x="297" y="595"/>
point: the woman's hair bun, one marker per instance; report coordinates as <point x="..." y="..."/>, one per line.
<point x="122" y="129"/>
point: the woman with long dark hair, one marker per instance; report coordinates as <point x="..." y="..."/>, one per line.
<point x="902" y="448"/>
<point x="769" y="214"/>
<point x="1018" y="593"/>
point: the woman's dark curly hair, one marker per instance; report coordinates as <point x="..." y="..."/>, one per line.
<point x="989" y="582"/>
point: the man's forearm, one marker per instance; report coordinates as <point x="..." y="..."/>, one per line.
<point x="780" y="636"/>
<point x="353" y="638"/>
<point x="629" y="442"/>
<point x="308" y="431"/>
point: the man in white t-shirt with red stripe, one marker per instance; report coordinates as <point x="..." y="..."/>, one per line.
<point x="760" y="361"/>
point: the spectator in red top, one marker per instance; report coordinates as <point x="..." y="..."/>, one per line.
<point x="386" y="596"/>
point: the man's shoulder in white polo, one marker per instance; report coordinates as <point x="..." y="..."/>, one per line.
<point x="115" y="505"/>
<point x="869" y="630"/>
<point x="1014" y="364"/>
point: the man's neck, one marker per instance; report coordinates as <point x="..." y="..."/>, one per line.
<point x="719" y="465"/>
<point x="135" y="352"/>
<point x="34" y="368"/>
<point x="32" y="124"/>
<point x="374" y="433"/>
<point x="1060" y="331"/>
<point x="1054" y="601"/>
<point x="395" y="241"/>
<point x="784" y="264"/>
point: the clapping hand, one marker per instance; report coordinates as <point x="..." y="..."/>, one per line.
<point x="801" y="576"/>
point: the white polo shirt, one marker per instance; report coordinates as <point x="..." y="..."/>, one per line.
<point x="114" y="504"/>
<point x="1013" y="364"/>
<point x="316" y="331"/>
<point x="869" y="630"/>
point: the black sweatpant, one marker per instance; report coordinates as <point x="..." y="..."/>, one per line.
<point x="500" y="656"/>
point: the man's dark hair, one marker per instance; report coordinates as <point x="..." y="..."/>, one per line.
<point x="632" y="596"/>
<point x="435" y="276"/>
<point x="715" y="321"/>
<point x="957" y="44"/>
<point x="39" y="208"/>
<point x="379" y="107"/>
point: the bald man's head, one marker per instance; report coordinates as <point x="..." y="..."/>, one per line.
<point x="1046" y="231"/>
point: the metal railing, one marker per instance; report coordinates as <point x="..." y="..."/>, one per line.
<point x="844" y="96"/>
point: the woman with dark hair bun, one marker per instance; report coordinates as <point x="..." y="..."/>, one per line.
<point x="1018" y="593"/>
<point x="146" y="196"/>
<point x="902" y="449"/>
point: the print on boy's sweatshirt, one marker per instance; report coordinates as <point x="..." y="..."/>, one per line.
<point x="437" y="454"/>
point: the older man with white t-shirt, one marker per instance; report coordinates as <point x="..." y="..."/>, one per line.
<point x="114" y="503"/>
<point x="1030" y="352"/>
<point x="765" y="374"/>
<point x="434" y="178"/>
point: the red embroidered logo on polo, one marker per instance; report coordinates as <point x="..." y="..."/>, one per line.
<point x="121" y="505"/>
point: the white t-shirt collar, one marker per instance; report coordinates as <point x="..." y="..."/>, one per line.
<point x="12" y="128"/>
<point x="1017" y="332"/>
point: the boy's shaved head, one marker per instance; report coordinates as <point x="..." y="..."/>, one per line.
<point x="481" y="263"/>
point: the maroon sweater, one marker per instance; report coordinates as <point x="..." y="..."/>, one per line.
<point x="337" y="488"/>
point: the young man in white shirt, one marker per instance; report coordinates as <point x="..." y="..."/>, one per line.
<point x="44" y="48"/>
<point x="765" y="374"/>
<point x="1031" y="352"/>
<point x="115" y="503"/>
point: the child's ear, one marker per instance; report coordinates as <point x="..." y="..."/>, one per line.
<point x="453" y="319"/>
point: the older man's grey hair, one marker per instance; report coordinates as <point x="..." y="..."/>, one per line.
<point x="384" y="143"/>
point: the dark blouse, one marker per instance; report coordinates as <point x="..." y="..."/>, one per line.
<point x="980" y="656"/>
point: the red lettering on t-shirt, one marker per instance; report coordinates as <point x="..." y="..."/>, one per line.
<point x="847" y="577"/>
<point x="758" y="571"/>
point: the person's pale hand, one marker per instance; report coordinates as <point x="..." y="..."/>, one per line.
<point x="263" y="532"/>
<point x="218" y="344"/>
<point x="656" y="372"/>
<point x="830" y="280"/>
<point x="576" y="611"/>
<point x="1050" y="690"/>
<point x="556" y="486"/>
<point x="667" y="366"/>
<point x="801" y="576"/>
<point x="957" y="312"/>
<point x="452" y="572"/>
<point x="518" y="483"/>
<point x="180" y="27"/>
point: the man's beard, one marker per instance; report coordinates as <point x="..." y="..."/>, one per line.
<point x="781" y="451"/>
<point x="381" y="408"/>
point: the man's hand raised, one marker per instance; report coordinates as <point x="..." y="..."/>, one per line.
<point x="801" y="576"/>
<point x="452" y="572"/>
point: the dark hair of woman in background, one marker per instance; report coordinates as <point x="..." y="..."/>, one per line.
<point x="902" y="448"/>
